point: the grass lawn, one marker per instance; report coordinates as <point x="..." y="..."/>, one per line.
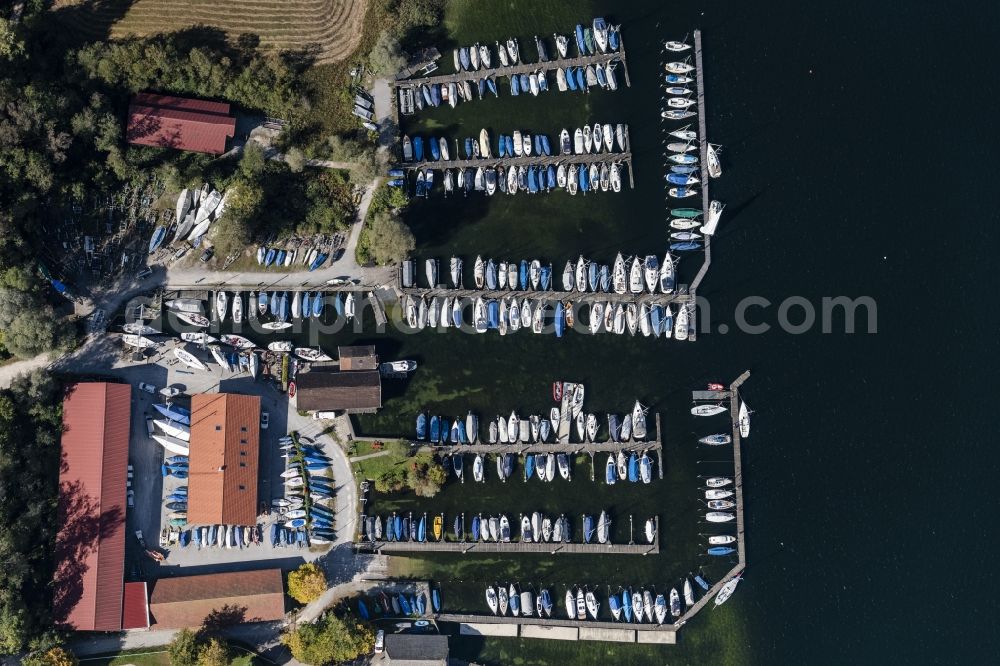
<point x="139" y="657"/>
<point x="374" y="467"/>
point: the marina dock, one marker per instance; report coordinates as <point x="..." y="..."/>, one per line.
<point x="560" y="628"/>
<point x="527" y="160"/>
<point x="681" y="295"/>
<point x="547" y="548"/>
<point x="703" y="157"/>
<point x="524" y="68"/>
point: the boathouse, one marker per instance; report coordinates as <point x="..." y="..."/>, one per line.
<point x="165" y="121"/>
<point x="179" y="602"/>
<point x="225" y="446"/>
<point x="354" y="385"/>
<point x="416" y="649"/>
<point x="90" y="545"/>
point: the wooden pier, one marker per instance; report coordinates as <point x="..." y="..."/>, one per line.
<point x="525" y="68"/>
<point x="702" y="155"/>
<point x="470" y="295"/>
<point x="546" y="548"/>
<point x="522" y="448"/>
<point x="561" y="628"/>
<point x="734" y="413"/>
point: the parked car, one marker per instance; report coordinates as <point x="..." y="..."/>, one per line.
<point x="325" y="415"/>
<point x="148" y="388"/>
<point x="265" y="419"/>
<point x="181" y="252"/>
<point x="207" y="254"/>
<point x="131" y="499"/>
<point x="144" y="273"/>
<point x="379" y="641"/>
<point x="149" y="426"/>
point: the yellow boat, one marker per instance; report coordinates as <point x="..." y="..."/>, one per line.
<point x="438" y="525"/>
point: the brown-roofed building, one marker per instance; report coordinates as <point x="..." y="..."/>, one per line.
<point x="322" y="390"/>
<point x="357" y="358"/>
<point x="240" y="596"/>
<point x="90" y="545"/>
<point x="165" y="121"/>
<point x="225" y="446"/>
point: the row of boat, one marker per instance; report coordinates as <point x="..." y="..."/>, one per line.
<point x="281" y="305"/>
<point x="308" y="489"/>
<point x="269" y="257"/>
<point x="509" y="314"/>
<point x="196" y="209"/>
<point x="542" y="465"/>
<point x="533" y="428"/>
<point x="631" y="468"/>
<point x="593" y="139"/>
<point x="529" y="178"/>
<point x="400" y="604"/>
<point x="534" y="528"/>
<point x="599" y="37"/>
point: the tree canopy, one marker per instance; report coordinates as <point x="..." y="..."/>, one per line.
<point x="331" y="639"/>
<point x="307" y="583"/>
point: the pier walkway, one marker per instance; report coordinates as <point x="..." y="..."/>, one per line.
<point x="560" y="628"/>
<point x="703" y="157"/>
<point x="527" y="160"/>
<point x="524" y="68"/>
<point x="547" y="548"/>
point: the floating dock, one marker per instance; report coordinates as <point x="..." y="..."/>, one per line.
<point x="680" y="295"/>
<point x="546" y="548"/>
<point x="560" y="628"/>
<point x="523" y="68"/>
<point x="705" y="200"/>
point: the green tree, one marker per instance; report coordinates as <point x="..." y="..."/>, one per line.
<point x="215" y="652"/>
<point x="185" y="649"/>
<point x="252" y="161"/>
<point x="389" y="240"/>
<point x="55" y="656"/>
<point x="390" y="480"/>
<point x="307" y="583"/>
<point x="331" y="639"/>
<point x="11" y="43"/>
<point x="296" y="160"/>
<point x="385" y="57"/>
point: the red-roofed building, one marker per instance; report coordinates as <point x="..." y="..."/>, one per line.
<point x="239" y="596"/>
<point x="90" y="545"/>
<point x="135" y="608"/>
<point x="165" y="121"/>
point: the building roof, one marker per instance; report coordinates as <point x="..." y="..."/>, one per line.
<point x="135" y="608"/>
<point x="165" y="121"/>
<point x="416" y="648"/>
<point x="222" y="470"/>
<point x="90" y="545"/>
<point x="242" y="596"/>
<point x="330" y="390"/>
<point x="358" y="358"/>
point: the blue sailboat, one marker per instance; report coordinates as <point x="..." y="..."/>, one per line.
<point x="418" y="148"/>
<point x="462" y="435"/>
<point x="436" y="600"/>
<point x="436" y="95"/>
<point x="522" y="274"/>
<point x="421" y="604"/>
<point x="306" y="304"/>
<point x="588" y="528"/>
<point x="550" y="176"/>
<point x="721" y="550"/>
<point x="491" y="84"/>
<point x="570" y="78"/>
<point x="532" y="179"/>
<point x="273" y="306"/>
<point x="435" y="150"/>
<point x="269" y="257"/>
<point x="515" y="85"/>
<point x="317" y="305"/>
<point x="525" y="83"/>
<point x="422" y="529"/>
<point x="509" y="142"/>
<point x="435" y="429"/>
<point x="560" y="322"/>
<point x="468" y="147"/>
<point x="454" y="432"/>
<point x="545" y="277"/>
<point x="158" y="235"/>
<point x="475" y="528"/>
<point x="280" y="259"/>
<point x="538" y="144"/>
<point x="529" y="466"/>
<point x="262" y="301"/>
<point x="633" y="468"/>
<point x="581" y="81"/>
<point x="421" y="426"/>
<point x="684" y="246"/>
<point x="602" y="80"/>
<point x="580" y="46"/>
<point x="175" y="413"/>
<point x="397" y="527"/>
<point x="493" y="314"/>
<point x="627" y="605"/>
<point x="681" y="179"/>
<point x="615" y="605"/>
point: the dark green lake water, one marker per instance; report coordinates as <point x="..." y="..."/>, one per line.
<point x="843" y="176"/>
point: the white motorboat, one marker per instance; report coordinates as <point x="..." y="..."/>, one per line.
<point x="676" y="47"/>
<point x="310" y="354"/>
<point x="721" y="540"/>
<point x="712" y="218"/>
<point x="221" y="305"/>
<point x="680" y="102"/>
<point x="175" y="430"/>
<point x="714" y="165"/>
<point x="189" y="359"/>
<point x="635" y="277"/>
<point x="708" y="410"/>
<point x="744" y="420"/>
<point x="173" y="444"/>
<point x="679" y="67"/>
<point x="719" y="517"/>
<point x="727" y="590"/>
<point x="721" y="505"/>
<point x="718" y="481"/>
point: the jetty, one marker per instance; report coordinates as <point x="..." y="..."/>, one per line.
<point x="546" y="548"/>
<point x="518" y="68"/>
<point x="703" y="157"/>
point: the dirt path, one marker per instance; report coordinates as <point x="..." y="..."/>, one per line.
<point x="11" y="370"/>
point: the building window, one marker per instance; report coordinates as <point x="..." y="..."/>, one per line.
<point x="243" y="453"/>
<point x="243" y="428"/>
<point x="243" y="441"/>
<point x="218" y="428"/>
<point x="242" y="464"/>
<point x="243" y="487"/>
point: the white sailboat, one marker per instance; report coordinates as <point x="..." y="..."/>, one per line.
<point x="744" y="420"/>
